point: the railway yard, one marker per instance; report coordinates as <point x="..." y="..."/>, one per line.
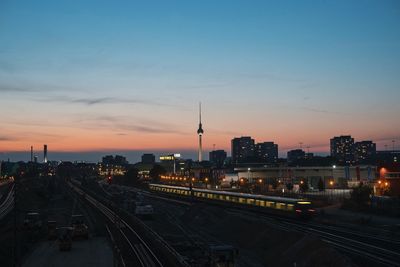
<point x="180" y="231"/>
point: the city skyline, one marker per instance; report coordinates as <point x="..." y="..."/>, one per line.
<point x="135" y="155"/>
<point x="105" y="77"/>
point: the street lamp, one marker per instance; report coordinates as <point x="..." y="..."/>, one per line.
<point x="331" y="183"/>
<point x="333" y="178"/>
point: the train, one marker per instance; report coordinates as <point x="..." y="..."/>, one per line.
<point x="279" y="205"/>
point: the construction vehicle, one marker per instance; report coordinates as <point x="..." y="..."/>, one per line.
<point x="80" y="229"/>
<point x="222" y="256"/>
<point x="64" y="238"/>
<point x="144" y="210"/>
<point x="51" y="230"/>
<point x="32" y="221"/>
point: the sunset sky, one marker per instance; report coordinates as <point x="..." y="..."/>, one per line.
<point x="128" y="75"/>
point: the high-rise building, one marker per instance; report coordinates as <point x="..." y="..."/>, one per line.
<point x="120" y="160"/>
<point x="217" y="158"/>
<point x="200" y="133"/>
<point x="365" y="152"/>
<point x="267" y="152"/>
<point x="242" y="149"/>
<point x="148" y="158"/>
<point x="108" y="160"/>
<point x="342" y="149"/>
<point x="31" y="153"/>
<point x="295" y="156"/>
<point x="117" y="160"/>
<point x="45" y="153"/>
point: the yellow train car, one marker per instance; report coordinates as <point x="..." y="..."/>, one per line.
<point x="298" y="207"/>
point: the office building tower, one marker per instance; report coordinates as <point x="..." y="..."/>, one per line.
<point x="217" y="158"/>
<point x="267" y="152"/>
<point x="242" y="149"/>
<point x="365" y="152"/>
<point x="342" y="149"/>
<point x="296" y="156"/>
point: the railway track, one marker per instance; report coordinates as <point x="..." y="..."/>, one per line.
<point x="345" y="242"/>
<point x="382" y="250"/>
<point x="8" y="204"/>
<point x="136" y="252"/>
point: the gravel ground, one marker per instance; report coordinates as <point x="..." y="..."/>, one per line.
<point x="93" y="252"/>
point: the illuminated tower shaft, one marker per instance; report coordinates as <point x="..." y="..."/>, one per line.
<point x="45" y="153"/>
<point x="200" y="150"/>
<point x="200" y="132"/>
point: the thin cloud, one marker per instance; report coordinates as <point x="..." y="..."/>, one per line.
<point x="316" y="110"/>
<point x="7" y="138"/>
<point x="6" y="89"/>
<point x="119" y="124"/>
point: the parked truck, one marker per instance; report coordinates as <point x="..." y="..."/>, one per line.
<point x="51" y="230"/>
<point x="64" y="238"/>
<point x="79" y="228"/>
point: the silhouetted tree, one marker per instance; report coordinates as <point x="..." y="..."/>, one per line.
<point x="274" y="184"/>
<point x="361" y="195"/>
<point x="131" y="176"/>
<point x="156" y="172"/>
<point x="321" y="186"/>
<point x="304" y="186"/>
<point x="289" y="186"/>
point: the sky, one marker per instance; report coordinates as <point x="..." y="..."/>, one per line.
<point x="90" y="76"/>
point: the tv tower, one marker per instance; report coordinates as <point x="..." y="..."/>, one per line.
<point x="200" y="132"/>
<point x="44" y="153"/>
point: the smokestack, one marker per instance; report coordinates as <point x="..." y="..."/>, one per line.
<point x="31" y="153"/>
<point x="45" y="153"/>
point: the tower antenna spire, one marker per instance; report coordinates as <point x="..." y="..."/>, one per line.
<point x="200" y="112"/>
<point x="200" y="132"/>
